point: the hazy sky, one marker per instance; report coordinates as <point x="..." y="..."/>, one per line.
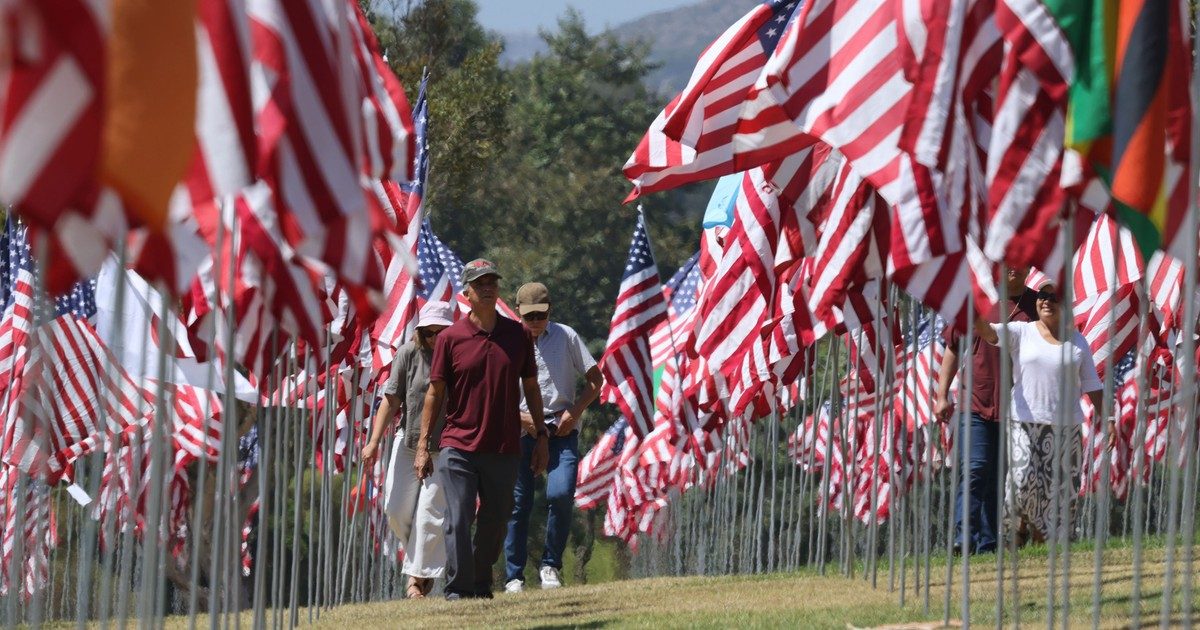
<point x="514" y="16"/>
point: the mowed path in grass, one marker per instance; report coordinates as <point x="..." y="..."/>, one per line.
<point x="796" y="600"/>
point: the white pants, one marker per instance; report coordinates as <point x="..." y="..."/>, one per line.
<point x="416" y="511"/>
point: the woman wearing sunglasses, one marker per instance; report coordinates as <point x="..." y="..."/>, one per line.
<point x="1043" y="359"/>
<point x="415" y="507"/>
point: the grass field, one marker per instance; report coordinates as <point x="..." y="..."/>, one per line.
<point x="802" y="599"/>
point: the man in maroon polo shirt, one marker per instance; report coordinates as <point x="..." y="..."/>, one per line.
<point x="480" y="366"/>
<point x="983" y="460"/>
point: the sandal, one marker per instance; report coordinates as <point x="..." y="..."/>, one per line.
<point x="414" y="591"/>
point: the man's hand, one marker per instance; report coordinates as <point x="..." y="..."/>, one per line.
<point x="527" y="424"/>
<point x="540" y="456"/>
<point x="943" y="408"/>
<point x="567" y="422"/>
<point x="422" y="465"/>
<point x="369" y="452"/>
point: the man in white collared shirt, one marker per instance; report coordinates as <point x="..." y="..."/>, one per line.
<point x="562" y="359"/>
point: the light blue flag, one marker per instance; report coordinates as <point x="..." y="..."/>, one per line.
<point x="720" y="207"/>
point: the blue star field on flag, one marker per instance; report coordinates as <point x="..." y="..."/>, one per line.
<point x="80" y="301"/>
<point x="684" y="287"/>
<point x="421" y="159"/>
<point x="617" y="430"/>
<point x="930" y="327"/>
<point x="435" y="261"/>
<point x="248" y="450"/>
<point x="785" y="11"/>
<point x="640" y="257"/>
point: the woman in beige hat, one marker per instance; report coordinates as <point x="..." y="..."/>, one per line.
<point x="415" y="508"/>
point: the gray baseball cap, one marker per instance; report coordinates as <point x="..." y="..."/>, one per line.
<point x="477" y="269"/>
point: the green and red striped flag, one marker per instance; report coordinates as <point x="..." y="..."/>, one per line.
<point x="1128" y="111"/>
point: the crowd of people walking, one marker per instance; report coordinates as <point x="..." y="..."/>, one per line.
<point x="489" y="404"/>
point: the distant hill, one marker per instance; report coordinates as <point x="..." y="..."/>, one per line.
<point x="676" y="36"/>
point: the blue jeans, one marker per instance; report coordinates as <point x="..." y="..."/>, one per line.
<point x="560" y="495"/>
<point x="983" y="465"/>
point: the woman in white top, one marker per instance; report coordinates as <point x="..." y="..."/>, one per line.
<point x="415" y="507"/>
<point x="1041" y="360"/>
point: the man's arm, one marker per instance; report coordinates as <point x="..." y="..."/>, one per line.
<point x="533" y="399"/>
<point x="569" y="420"/>
<point x="434" y="397"/>
<point x="943" y="408"/>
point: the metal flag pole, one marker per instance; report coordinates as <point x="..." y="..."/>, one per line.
<point x="154" y="534"/>
<point x="882" y="385"/>
<point x="957" y="431"/>
<point x="1188" y="364"/>
<point x="964" y="462"/>
<point x="92" y="529"/>
<point x="1103" y="507"/>
<point x="926" y="510"/>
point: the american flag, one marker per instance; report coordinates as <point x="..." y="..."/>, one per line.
<point x="869" y="345"/>
<point x="1107" y="259"/>
<point x="680" y="292"/>
<point x="627" y="364"/>
<point x="389" y="137"/>
<point x="440" y="269"/>
<point x="692" y="139"/>
<point x="398" y="319"/>
<point x="853" y="246"/>
<point x="884" y="472"/>
<point x="51" y="125"/>
<point x="735" y="302"/>
<point x="598" y="468"/>
<point x="64" y="379"/>
<point x="676" y="415"/>
<point x="249" y="450"/>
<point x="198" y="426"/>
<point x="25" y="512"/>
<point x="1025" y="154"/>
<point x="837" y="76"/>
<point x="1109" y="321"/>
<point x="1164" y="277"/>
<point x="818" y="441"/>
<point x="626" y="496"/>
<point x="308" y="101"/>
<point x="923" y="359"/>
<point x="1095" y="440"/>
<point x="807" y="445"/>
<point x="225" y="140"/>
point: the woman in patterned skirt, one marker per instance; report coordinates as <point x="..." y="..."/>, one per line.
<point x="1044" y="360"/>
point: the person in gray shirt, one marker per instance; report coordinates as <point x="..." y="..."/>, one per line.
<point x="562" y="360"/>
<point x="415" y="507"/>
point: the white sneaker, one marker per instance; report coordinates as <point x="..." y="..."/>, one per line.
<point x="514" y="586"/>
<point x="550" y="578"/>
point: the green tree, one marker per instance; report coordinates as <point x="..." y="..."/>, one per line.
<point x="468" y="97"/>
<point x="577" y="113"/>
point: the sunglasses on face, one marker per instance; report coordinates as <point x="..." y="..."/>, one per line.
<point x="535" y="316"/>
<point x="1049" y="296"/>
<point x="426" y="333"/>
